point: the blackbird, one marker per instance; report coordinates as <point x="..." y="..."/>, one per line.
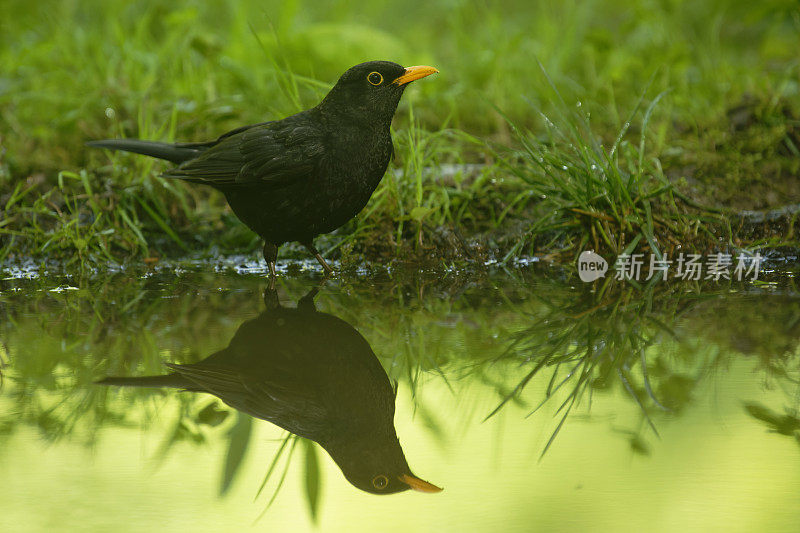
<point x="314" y="375"/>
<point x="307" y="174"/>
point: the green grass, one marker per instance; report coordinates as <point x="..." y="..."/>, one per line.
<point x="604" y="197"/>
<point x="643" y="91"/>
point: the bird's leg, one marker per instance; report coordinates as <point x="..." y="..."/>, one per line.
<point x="325" y="266"/>
<point x="270" y="256"/>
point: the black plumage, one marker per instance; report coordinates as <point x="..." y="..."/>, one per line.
<point x="296" y="178"/>
<point x="314" y="375"/>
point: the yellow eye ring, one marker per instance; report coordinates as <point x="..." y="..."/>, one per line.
<point x="375" y="78"/>
<point x="380" y="482"/>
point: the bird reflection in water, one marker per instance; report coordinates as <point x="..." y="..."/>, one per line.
<point x="314" y="375"/>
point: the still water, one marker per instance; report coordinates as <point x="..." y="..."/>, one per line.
<point x="536" y="401"/>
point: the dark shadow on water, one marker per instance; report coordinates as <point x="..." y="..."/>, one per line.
<point x="313" y="375"/>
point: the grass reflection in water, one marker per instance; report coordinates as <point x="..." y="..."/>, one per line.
<point x="534" y="342"/>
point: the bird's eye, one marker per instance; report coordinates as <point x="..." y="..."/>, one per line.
<point x="375" y="78"/>
<point x="380" y="482"/>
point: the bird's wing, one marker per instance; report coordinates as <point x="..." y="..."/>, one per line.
<point x="204" y="145"/>
<point x="290" y="405"/>
<point x="272" y="154"/>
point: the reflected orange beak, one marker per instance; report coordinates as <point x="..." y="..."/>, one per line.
<point x="415" y="482"/>
<point x="414" y="73"/>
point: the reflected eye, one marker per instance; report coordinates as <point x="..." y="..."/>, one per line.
<point x="375" y="78"/>
<point x="380" y="482"/>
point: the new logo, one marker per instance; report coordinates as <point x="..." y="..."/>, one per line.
<point x="591" y="266"/>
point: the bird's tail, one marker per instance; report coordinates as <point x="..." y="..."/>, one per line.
<point x="174" y="381"/>
<point x="177" y="153"/>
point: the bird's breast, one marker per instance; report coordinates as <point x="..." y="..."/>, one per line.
<point x="353" y="172"/>
<point x="347" y="173"/>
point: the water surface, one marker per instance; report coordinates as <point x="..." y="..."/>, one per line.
<point x="535" y="400"/>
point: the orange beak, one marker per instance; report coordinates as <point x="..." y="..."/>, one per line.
<point x="414" y="73"/>
<point x="415" y="482"/>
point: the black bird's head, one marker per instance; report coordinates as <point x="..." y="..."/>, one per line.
<point x="377" y="468"/>
<point x="369" y="92"/>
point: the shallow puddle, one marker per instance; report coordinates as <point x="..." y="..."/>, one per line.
<point x="536" y="401"/>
